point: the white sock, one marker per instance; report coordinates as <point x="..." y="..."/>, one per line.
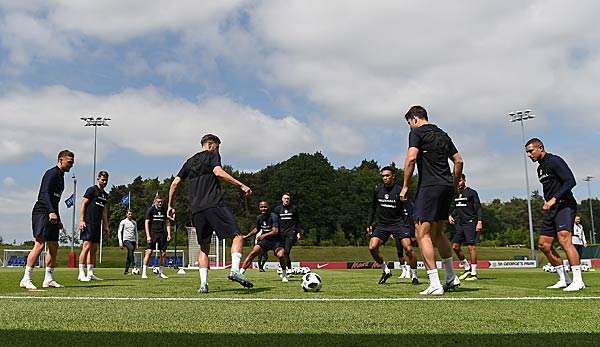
<point x="566" y="263"/>
<point x="562" y="274"/>
<point x="473" y="269"/>
<point x="236" y="258"/>
<point x="160" y="269"/>
<point x="434" y="278"/>
<point x="81" y="269"/>
<point x="144" y="269"/>
<point x="90" y="268"/>
<point x="384" y="267"/>
<point x="465" y="264"/>
<point x="407" y="267"/>
<point x="577" y="273"/>
<point x="447" y="263"/>
<point x="48" y="277"/>
<point x="242" y="270"/>
<point x="27" y="274"/>
<point x="203" y="275"/>
<point x="413" y="273"/>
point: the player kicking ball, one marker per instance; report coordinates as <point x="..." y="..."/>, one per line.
<point x="209" y="212"/>
<point x="394" y="220"/>
<point x="268" y="240"/>
<point x="93" y="217"/>
<point x="559" y="213"/>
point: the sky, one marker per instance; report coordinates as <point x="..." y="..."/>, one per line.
<point x="276" y="78"/>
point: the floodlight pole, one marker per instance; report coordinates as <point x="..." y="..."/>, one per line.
<point x="520" y="116"/>
<point x="588" y="179"/>
<point x="74" y="211"/>
<point x="96" y="122"/>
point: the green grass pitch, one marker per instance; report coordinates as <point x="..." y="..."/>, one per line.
<point x="505" y="307"/>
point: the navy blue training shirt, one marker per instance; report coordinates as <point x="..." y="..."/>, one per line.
<point x="391" y="211"/>
<point x="467" y="206"/>
<point x="557" y="179"/>
<point x="435" y="147"/>
<point x="53" y="184"/>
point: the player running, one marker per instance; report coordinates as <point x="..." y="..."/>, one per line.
<point x="268" y="240"/>
<point x="209" y="212"/>
<point x="45" y="221"/>
<point x="93" y="219"/>
<point x="394" y="219"/>
<point x="156" y="220"/>
<point x="559" y="213"/>
<point x="430" y="148"/>
<point x="128" y="237"/>
<point x="468" y="224"/>
<point x="289" y="225"/>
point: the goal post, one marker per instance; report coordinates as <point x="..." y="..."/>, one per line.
<point x="216" y="255"/>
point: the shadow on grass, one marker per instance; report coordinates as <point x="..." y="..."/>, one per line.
<point x="39" y="337"/>
<point x="245" y="291"/>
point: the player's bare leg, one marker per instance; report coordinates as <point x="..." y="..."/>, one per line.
<point x="50" y="264"/>
<point x="564" y="238"/>
<point x="91" y="262"/>
<point x="545" y="245"/>
<point x="83" y="261"/>
<point x="412" y="259"/>
<point x="374" y="245"/>
<point x="423" y="231"/>
<point x="32" y="259"/>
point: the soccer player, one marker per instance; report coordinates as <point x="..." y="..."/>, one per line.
<point x="289" y="225"/>
<point x="209" y="212"/>
<point x="430" y="148"/>
<point x="128" y="237"/>
<point x="578" y="239"/>
<point x="394" y="219"/>
<point x="156" y="220"/>
<point x="468" y="224"/>
<point x="93" y="217"/>
<point x="268" y="240"/>
<point x="45" y="221"/>
<point x="559" y="213"/>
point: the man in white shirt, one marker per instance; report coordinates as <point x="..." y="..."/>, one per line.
<point x="128" y="237"/>
<point x="578" y="239"/>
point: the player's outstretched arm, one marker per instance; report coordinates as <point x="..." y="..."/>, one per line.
<point x="222" y="174"/>
<point x="409" y="169"/>
<point x="251" y="233"/>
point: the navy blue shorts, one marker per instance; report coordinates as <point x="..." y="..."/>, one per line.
<point x="270" y="244"/>
<point x="91" y="233"/>
<point x="432" y="203"/>
<point x="466" y="234"/>
<point x="43" y="229"/>
<point x="158" y="240"/>
<point x="218" y="219"/>
<point x="558" y="219"/>
<point x="399" y="233"/>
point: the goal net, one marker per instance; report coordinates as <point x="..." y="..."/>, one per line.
<point x="18" y="258"/>
<point x="172" y="259"/>
<point x="216" y="255"/>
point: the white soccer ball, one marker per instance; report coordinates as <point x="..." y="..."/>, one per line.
<point x="585" y="267"/>
<point x="156" y="270"/>
<point x="311" y="282"/>
<point x="135" y="271"/>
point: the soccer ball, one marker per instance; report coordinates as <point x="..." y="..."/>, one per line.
<point x="156" y="270"/>
<point x="311" y="282"/>
<point x="135" y="271"/>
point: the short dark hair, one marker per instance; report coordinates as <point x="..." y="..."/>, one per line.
<point x="286" y="193"/>
<point x="416" y="111"/>
<point x="265" y="201"/>
<point x="388" y="168"/>
<point x="534" y="141"/>
<point x="102" y="174"/>
<point x="210" y="137"/>
<point x="65" y="153"/>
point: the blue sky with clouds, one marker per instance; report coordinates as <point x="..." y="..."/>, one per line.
<point x="276" y="78"/>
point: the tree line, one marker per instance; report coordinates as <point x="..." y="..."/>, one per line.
<point x="333" y="202"/>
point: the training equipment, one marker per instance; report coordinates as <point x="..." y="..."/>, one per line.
<point x="311" y="282"/>
<point x="18" y="258"/>
<point x="170" y="259"/>
<point x="135" y="271"/>
<point x="216" y="254"/>
<point x="295" y="270"/>
<point x="156" y="270"/>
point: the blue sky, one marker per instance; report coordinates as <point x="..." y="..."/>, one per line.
<point x="276" y="78"/>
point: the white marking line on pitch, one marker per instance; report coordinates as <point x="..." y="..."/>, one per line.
<point x="91" y="298"/>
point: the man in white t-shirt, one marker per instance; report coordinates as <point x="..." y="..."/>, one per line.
<point x="578" y="239"/>
<point x="128" y="237"/>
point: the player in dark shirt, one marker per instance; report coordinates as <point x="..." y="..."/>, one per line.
<point x="209" y="212"/>
<point x="155" y="224"/>
<point x="394" y="220"/>
<point x="430" y="148"/>
<point x="467" y="219"/>
<point x="289" y="225"/>
<point x="93" y="218"/>
<point x="45" y="221"/>
<point x="559" y="213"/>
<point x="268" y="240"/>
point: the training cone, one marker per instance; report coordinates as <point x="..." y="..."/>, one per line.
<point x="181" y="271"/>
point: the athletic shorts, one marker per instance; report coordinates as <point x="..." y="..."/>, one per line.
<point x="558" y="219"/>
<point x="269" y="244"/>
<point x="399" y="233"/>
<point x="432" y="203"/>
<point x="466" y="234"/>
<point x="158" y="239"/>
<point x="218" y="219"/>
<point x="91" y="233"/>
<point x="43" y="229"/>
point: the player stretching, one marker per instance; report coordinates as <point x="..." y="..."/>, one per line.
<point x="394" y="219"/>
<point x="430" y="148"/>
<point x="268" y="240"/>
<point x="289" y="225"/>
<point x="208" y="209"/>
<point x="559" y="213"/>
<point x="156" y="220"/>
<point x="93" y="217"/>
<point x="467" y="220"/>
<point x="45" y="221"/>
